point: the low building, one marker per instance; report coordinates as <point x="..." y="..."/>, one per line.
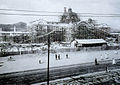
<point x="90" y="42"/>
<point x="9" y="36"/>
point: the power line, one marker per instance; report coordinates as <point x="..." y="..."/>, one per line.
<point x="21" y="10"/>
<point x="26" y="14"/>
<point x="101" y="16"/>
<point x="81" y="14"/>
<point x="97" y="14"/>
<point x="57" y="15"/>
<point x="36" y="11"/>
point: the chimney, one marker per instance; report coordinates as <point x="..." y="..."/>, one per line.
<point x="70" y="10"/>
<point x="65" y="9"/>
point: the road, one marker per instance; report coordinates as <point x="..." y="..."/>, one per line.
<point x="40" y="75"/>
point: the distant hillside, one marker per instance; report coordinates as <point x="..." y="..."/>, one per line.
<point x="115" y="30"/>
<point x="6" y="27"/>
<point x="20" y="26"/>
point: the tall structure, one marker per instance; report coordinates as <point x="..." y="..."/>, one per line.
<point x="69" y="16"/>
<point x="67" y="29"/>
<point x="90" y="30"/>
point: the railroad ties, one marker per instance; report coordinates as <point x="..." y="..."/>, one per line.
<point x="98" y="78"/>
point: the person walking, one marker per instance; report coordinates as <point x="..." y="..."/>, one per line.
<point x="106" y="69"/>
<point x="59" y="57"/>
<point x="40" y="62"/>
<point x="96" y="62"/>
<point x="56" y="57"/>
<point x="67" y="56"/>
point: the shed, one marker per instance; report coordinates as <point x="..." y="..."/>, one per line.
<point x="90" y="42"/>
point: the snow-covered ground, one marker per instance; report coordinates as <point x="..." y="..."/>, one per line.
<point x="31" y="61"/>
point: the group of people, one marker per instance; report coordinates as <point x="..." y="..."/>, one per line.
<point x="58" y="57"/>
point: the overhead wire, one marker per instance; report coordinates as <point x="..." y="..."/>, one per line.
<point x="26" y="14"/>
<point x="57" y="15"/>
<point x="36" y="11"/>
<point x="21" y="10"/>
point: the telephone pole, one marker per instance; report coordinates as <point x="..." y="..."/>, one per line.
<point x="48" y="59"/>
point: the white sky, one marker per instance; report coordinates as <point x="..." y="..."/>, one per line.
<point x="81" y="6"/>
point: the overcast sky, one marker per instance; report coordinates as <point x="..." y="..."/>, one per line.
<point x="81" y="6"/>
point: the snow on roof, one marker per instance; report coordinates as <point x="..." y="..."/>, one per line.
<point x="115" y="33"/>
<point x="113" y="44"/>
<point x="65" y="42"/>
<point x="4" y="42"/>
<point x="90" y="41"/>
<point x="62" y="25"/>
<point x="53" y="23"/>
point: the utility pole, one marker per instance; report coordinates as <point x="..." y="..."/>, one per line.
<point x="48" y="59"/>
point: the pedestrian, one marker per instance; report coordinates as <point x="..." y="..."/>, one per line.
<point x="59" y="57"/>
<point x="106" y="68"/>
<point x="40" y="62"/>
<point x="67" y="56"/>
<point x="10" y="58"/>
<point x="96" y="62"/>
<point x="56" y="56"/>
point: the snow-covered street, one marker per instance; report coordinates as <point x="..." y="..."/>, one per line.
<point x="39" y="61"/>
